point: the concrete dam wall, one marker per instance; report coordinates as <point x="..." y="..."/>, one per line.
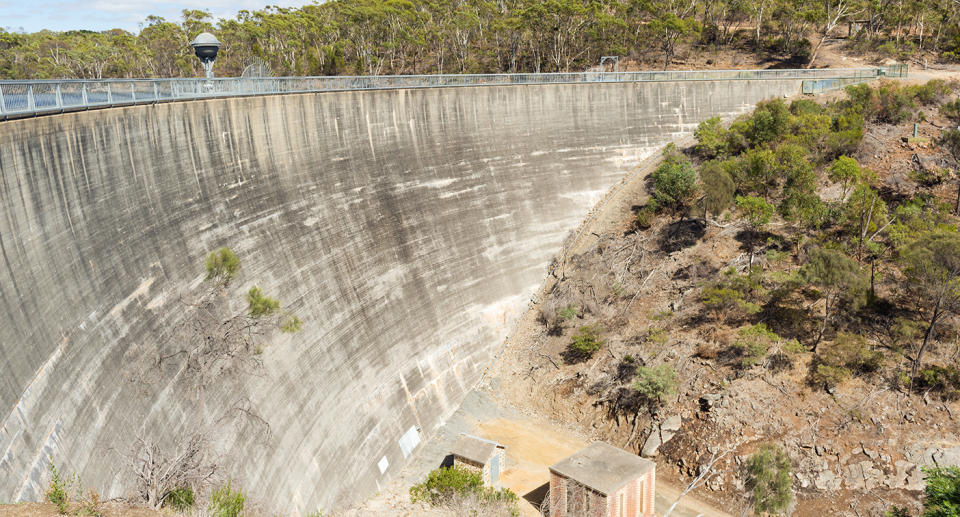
<point x="406" y="228"/>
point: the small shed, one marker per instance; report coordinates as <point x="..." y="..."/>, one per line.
<point x="602" y="481"/>
<point x="485" y="456"/>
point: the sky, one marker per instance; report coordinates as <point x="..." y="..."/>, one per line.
<point x="100" y="15"/>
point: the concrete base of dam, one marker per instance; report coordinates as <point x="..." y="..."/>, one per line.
<point x="406" y="228"/>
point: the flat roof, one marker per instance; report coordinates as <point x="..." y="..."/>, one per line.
<point x="474" y="448"/>
<point x="603" y="467"/>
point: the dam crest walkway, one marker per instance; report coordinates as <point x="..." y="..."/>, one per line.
<point x="44" y="97"/>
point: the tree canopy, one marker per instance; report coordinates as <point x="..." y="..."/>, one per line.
<point x="432" y="36"/>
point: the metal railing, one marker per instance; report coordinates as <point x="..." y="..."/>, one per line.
<point x="31" y="98"/>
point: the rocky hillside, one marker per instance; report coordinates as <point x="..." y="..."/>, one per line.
<point x="788" y="283"/>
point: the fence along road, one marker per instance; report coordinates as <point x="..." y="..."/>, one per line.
<point x="34" y="98"/>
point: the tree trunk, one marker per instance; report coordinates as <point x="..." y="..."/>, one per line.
<point x="823" y="324"/>
<point x="956" y="206"/>
<point x="926" y="339"/>
<point x="813" y="56"/>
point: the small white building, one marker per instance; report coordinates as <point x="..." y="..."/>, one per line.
<point x="479" y="454"/>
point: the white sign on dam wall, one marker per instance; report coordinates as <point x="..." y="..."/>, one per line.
<point x="406" y="228"/>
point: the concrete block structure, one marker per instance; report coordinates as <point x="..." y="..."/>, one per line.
<point x="407" y="229"/>
<point x="475" y="453"/>
<point x="602" y="481"/>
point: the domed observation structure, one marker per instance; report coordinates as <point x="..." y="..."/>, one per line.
<point x="206" y="46"/>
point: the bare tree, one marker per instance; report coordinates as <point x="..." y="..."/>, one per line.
<point x="833" y="12"/>
<point x="159" y="470"/>
<point x="707" y="472"/>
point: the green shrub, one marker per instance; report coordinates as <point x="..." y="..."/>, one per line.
<point x="260" y="304"/>
<point x="657" y="336"/>
<point x="674" y="183"/>
<point x="568" y="313"/>
<point x="928" y="93"/>
<point x="179" y="499"/>
<point x="769" y="480"/>
<point x="945" y="379"/>
<point x="753" y="342"/>
<point x="847" y="354"/>
<point x="291" y="324"/>
<point x="942" y="493"/>
<point x="585" y="342"/>
<point x="644" y="217"/>
<point x="443" y="482"/>
<point x="769" y="122"/>
<point x="805" y="107"/>
<point x="718" y="187"/>
<point x="447" y="483"/>
<point x="711" y="138"/>
<point x="845" y="171"/>
<point x="656" y="383"/>
<point x="951" y="109"/>
<point x="225" y="502"/>
<point x="58" y="490"/>
<point x="222" y="265"/>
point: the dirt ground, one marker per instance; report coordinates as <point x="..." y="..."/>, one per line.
<point x="110" y="509"/>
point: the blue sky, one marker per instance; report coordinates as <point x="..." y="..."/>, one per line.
<point x="99" y="15"/>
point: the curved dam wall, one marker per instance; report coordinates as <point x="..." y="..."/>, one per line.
<point x="406" y="228"/>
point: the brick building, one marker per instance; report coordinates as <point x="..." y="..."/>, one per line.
<point x="478" y="454"/>
<point x="602" y="481"/>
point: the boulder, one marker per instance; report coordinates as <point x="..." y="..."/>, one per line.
<point x="660" y="436"/>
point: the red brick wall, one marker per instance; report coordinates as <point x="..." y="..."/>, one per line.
<point x="635" y="494"/>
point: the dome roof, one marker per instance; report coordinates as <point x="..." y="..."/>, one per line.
<point x="205" y="39"/>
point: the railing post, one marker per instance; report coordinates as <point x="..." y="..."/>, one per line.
<point x="83" y="95"/>
<point x="156" y="93"/>
<point x="109" y="95"/>
<point x="31" y="102"/>
<point x="3" y="107"/>
<point x="59" y="98"/>
<point x="133" y="93"/>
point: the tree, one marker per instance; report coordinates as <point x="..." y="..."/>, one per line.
<point x="769" y="480"/>
<point x="951" y="141"/>
<point x="711" y="138"/>
<point x="830" y="14"/>
<point x="866" y="215"/>
<point x="758" y="213"/>
<point x="845" y="171"/>
<point x="837" y="277"/>
<point x="674" y="183"/>
<point x="932" y="264"/>
<point x="718" y="188"/>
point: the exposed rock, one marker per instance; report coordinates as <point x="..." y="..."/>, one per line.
<point x="862" y="476"/>
<point x="671" y="424"/>
<point x="660" y="436"/>
<point x="907" y="476"/>
<point x="827" y="480"/>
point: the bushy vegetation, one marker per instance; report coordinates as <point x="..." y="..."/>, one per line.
<point x="452" y="486"/>
<point x="769" y="480"/>
<point x="58" y="490"/>
<point x="385" y="37"/>
<point x="656" y="383"/>
<point x="222" y="265"/>
<point x="846" y="355"/>
<point x="226" y="502"/>
<point x="585" y="342"/>
<point x="752" y="344"/>
<point x="941" y="494"/>
<point x="769" y="165"/>
<point x="180" y="499"/>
